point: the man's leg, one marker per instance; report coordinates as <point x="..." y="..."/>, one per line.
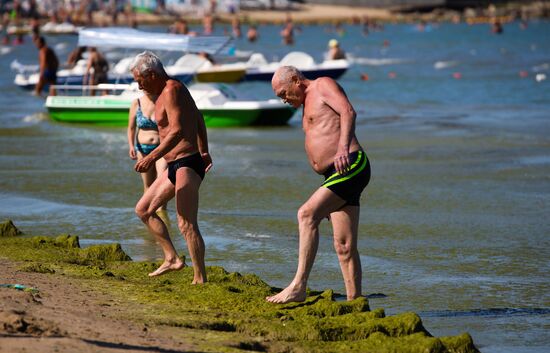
<point x="39" y="86"/>
<point x="161" y="166"/>
<point x="320" y="205"/>
<point x="345" y="223"/>
<point x="187" y="205"/>
<point x="158" y="194"/>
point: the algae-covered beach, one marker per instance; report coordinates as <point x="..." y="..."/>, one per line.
<point x="453" y="226"/>
<point x="98" y="298"/>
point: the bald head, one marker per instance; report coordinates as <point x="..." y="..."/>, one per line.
<point x="285" y="75"/>
<point x="289" y="84"/>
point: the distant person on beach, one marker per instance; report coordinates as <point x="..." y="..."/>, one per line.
<point x="207" y="25"/>
<point x="496" y="27"/>
<point x="184" y="146"/>
<point x="334" y="51"/>
<point x="252" y="33"/>
<point x="287" y="33"/>
<point x="236" y="27"/>
<point x="48" y="63"/>
<point x="143" y="138"/>
<point x="332" y="148"/>
<point x="179" y="27"/>
<point x="97" y="69"/>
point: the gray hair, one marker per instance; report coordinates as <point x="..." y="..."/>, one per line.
<point x="147" y="61"/>
<point x="285" y="74"/>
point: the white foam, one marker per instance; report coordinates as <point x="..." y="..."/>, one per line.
<point x="377" y="61"/>
<point x="35" y="118"/>
<point x="541" y="67"/>
<point x="439" y="65"/>
<point x="5" y="50"/>
<point x="258" y="236"/>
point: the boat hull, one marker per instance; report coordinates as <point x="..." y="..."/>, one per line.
<point x="105" y="117"/>
<point x="115" y="113"/>
<point x="220" y="76"/>
<point x="245" y="117"/>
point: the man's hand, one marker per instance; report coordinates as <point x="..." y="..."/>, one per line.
<point x="207" y="161"/>
<point x="144" y="165"/>
<point x="341" y="160"/>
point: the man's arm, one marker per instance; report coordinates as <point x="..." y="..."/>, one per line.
<point x="335" y="97"/>
<point x="202" y="142"/>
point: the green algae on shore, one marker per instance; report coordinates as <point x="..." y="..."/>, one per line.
<point x="229" y="304"/>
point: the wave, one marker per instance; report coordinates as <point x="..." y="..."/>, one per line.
<point x="35" y="118"/>
<point x="5" y="50"/>
<point x="377" y="61"/>
<point x="541" y="67"/>
<point x="16" y="205"/>
<point x="506" y="312"/>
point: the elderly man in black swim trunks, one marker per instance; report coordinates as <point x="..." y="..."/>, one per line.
<point x="333" y="150"/>
<point x="184" y="145"/>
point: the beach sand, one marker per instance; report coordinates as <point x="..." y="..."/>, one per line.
<point x="68" y="316"/>
<point x="300" y="13"/>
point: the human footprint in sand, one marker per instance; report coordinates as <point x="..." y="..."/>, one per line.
<point x="328" y="122"/>
<point x="184" y="146"/>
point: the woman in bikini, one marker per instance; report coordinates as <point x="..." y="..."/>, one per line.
<point x="143" y="138"/>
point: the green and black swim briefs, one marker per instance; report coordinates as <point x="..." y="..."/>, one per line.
<point x="349" y="185"/>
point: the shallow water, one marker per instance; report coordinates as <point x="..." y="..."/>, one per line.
<point x="453" y="225"/>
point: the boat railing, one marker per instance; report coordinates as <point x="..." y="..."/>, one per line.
<point x="103" y="88"/>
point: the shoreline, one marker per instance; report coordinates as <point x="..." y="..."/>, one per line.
<point x="329" y="14"/>
<point x="333" y="14"/>
<point x="98" y="299"/>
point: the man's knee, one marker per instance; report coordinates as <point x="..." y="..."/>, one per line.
<point x="187" y="227"/>
<point x="142" y="212"/>
<point x="343" y="249"/>
<point x="306" y="216"/>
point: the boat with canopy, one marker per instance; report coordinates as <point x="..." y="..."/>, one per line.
<point x="133" y="39"/>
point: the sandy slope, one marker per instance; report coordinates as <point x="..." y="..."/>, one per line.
<point x="68" y="316"/>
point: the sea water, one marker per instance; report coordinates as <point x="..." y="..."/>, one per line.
<point x="454" y="224"/>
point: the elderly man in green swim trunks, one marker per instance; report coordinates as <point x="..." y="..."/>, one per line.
<point x="333" y="151"/>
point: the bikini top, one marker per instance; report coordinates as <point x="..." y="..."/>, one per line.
<point x="144" y="122"/>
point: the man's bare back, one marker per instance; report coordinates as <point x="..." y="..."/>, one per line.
<point x="321" y="122"/>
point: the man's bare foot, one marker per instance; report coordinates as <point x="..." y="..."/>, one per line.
<point x="167" y="267"/>
<point x="287" y="295"/>
<point x="198" y="281"/>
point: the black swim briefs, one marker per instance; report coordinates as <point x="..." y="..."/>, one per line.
<point x="349" y="185"/>
<point x="193" y="161"/>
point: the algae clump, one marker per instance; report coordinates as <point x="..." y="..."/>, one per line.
<point x="8" y="229"/>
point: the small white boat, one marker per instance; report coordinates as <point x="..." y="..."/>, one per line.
<point x="130" y="39"/>
<point x="205" y="71"/>
<point x="59" y="28"/>
<point x="258" y="69"/>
